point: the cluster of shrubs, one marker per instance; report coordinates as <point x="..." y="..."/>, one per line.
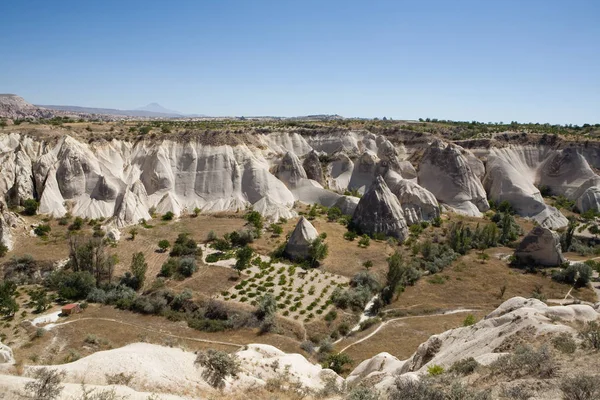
<point x="435" y="257"/>
<point x="578" y="275"/>
<point x="182" y="263"/>
<point x="212" y="316"/>
<point x="363" y="286"/>
<point x="503" y="231"/>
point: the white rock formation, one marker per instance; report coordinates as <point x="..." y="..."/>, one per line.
<point x="171" y="372"/>
<point x="446" y="172"/>
<point x="298" y="244"/>
<point x="272" y="210"/>
<point x="347" y="204"/>
<point x="290" y="170"/>
<point x="510" y="179"/>
<point x="540" y="246"/>
<point x="6" y="354"/>
<point x="418" y="203"/>
<point x="312" y="167"/>
<point x="379" y="211"/>
<point x="480" y="341"/>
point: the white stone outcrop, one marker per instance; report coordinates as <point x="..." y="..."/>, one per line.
<point x="6" y="354"/>
<point x="540" y="246"/>
<point x="483" y="341"/>
<point x="418" y="203"/>
<point x="505" y="181"/>
<point x="298" y="244"/>
<point x="446" y="172"/>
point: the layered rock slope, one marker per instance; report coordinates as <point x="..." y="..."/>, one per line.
<point x="485" y="341"/>
<point x="123" y="181"/>
<point x="446" y="170"/>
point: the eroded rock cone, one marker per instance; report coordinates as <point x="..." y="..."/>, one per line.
<point x="379" y="211"/>
<point x="298" y="245"/>
<point x="313" y="168"/>
<point x="290" y="170"/>
<point x="541" y="246"/>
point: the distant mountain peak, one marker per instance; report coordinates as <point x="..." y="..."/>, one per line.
<point x="157" y="108"/>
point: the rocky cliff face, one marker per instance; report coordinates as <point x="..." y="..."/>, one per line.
<point x="15" y="107"/>
<point x="121" y="180"/>
<point x="446" y="171"/>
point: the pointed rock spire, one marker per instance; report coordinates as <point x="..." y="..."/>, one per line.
<point x="300" y="240"/>
<point x="379" y="211"/>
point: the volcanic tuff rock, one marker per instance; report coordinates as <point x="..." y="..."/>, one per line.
<point x="312" y="167"/>
<point x="298" y="245"/>
<point x="418" y="203"/>
<point x="505" y="180"/>
<point x="290" y="170"/>
<point x="379" y="211"/>
<point x="447" y="173"/>
<point x="6" y="354"/>
<point x="347" y="204"/>
<point x="120" y="180"/>
<point x="540" y="246"/>
<point x="483" y="341"/>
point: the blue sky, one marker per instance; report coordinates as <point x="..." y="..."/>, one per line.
<point x="524" y="60"/>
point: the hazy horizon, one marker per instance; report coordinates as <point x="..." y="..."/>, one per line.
<point x="532" y="61"/>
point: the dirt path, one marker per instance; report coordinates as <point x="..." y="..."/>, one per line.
<point x="383" y="324"/>
<point x="51" y="326"/>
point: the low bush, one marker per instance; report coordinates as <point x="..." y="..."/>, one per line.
<point x="590" y="333"/>
<point x="580" y="387"/>
<point x="564" y="343"/>
<point x="526" y="361"/>
<point x="465" y="366"/>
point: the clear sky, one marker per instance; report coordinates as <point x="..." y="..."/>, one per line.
<point x="486" y="60"/>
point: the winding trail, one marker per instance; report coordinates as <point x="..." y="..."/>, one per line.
<point x="384" y="323"/>
<point x="51" y="326"/>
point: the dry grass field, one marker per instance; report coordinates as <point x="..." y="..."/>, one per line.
<point x="470" y="282"/>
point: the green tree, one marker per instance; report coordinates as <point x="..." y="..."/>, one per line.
<point x="8" y="304"/>
<point x="333" y="214"/>
<point x="317" y="251"/>
<point x="30" y="207"/>
<point x="138" y="270"/>
<point x="364" y="241"/>
<point x="90" y="254"/>
<point x="40" y="300"/>
<point x="276" y="229"/>
<point x="243" y="256"/>
<point x="394" y="277"/>
<point x="168" y="216"/>
<point x="255" y="219"/>
<point x="163" y="245"/>
<point x="267" y="307"/>
<point x="72" y="285"/>
<point x="46" y="384"/>
<point x="133" y="232"/>
<point x="568" y="235"/>
<point x="368" y="264"/>
<point x="217" y="365"/>
<point x="337" y="362"/>
<point x="197" y="211"/>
